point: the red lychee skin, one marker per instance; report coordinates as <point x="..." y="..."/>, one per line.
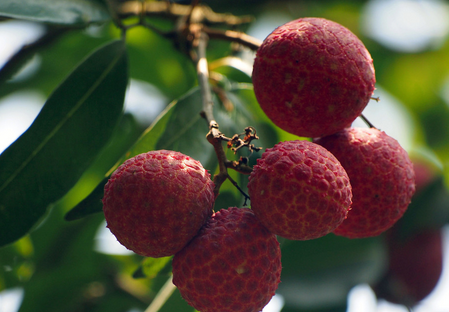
<point x="156" y="202"/>
<point x="415" y="267"/>
<point x="312" y="77"/>
<point x="381" y="175"/>
<point x="233" y="265"/>
<point x="299" y="190"/>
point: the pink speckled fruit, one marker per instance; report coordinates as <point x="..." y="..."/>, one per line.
<point x="233" y="265"/>
<point x="381" y="175"/>
<point x="156" y="202"/>
<point x="299" y="190"/>
<point x="312" y="77"/>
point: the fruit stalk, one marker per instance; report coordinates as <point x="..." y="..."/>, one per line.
<point x="214" y="136"/>
<point x="207" y="113"/>
<point x="234" y="36"/>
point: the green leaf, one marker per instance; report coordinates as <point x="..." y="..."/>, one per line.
<point x="68" y="269"/>
<point x="124" y="135"/>
<point x="234" y="68"/>
<point x="320" y="272"/>
<point x="151" y="267"/>
<point x="179" y="124"/>
<point x="246" y="95"/>
<point x="67" y="12"/>
<point x="180" y="128"/>
<point x="148" y="140"/>
<point x="89" y="205"/>
<point x="242" y="95"/>
<point x="57" y="56"/>
<point x="71" y="129"/>
<point x="186" y="130"/>
<point x="154" y="59"/>
<point x="25" y="54"/>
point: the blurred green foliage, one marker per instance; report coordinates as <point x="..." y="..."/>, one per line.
<point x="56" y="263"/>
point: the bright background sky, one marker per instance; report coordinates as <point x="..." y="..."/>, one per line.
<point x="405" y="26"/>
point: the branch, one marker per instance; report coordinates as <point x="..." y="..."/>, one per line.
<point x="367" y="121"/>
<point x="214" y="136"/>
<point x="190" y="31"/>
<point x="234" y="36"/>
<point x="241" y="191"/>
<point x="173" y="11"/>
<point x="183" y="15"/>
<point x="203" y="80"/>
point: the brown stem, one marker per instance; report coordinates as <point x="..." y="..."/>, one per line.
<point x="234" y="36"/>
<point x="241" y="191"/>
<point x="214" y="136"/>
<point x="367" y="121"/>
<point x="173" y="11"/>
<point x="237" y="166"/>
<point x="183" y="15"/>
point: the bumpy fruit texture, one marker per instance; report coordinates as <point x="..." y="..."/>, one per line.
<point x="381" y="175"/>
<point x="312" y="77"/>
<point x="233" y="265"/>
<point x="415" y="267"/>
<point x="156" y="202"/>
<point x="299" y="190"/>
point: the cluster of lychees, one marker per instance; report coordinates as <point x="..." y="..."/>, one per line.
<point x="312" y="77"/>
<point x="160" y="204"/>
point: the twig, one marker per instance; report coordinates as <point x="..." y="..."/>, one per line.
<point x="238" y="166"/>
<point x="173" y="11"/>
<point x="193" y="5"/>
<point x="367" y="121"/>
<point x="214" y="136"/>
<point x="184" y="15"/>
<point x="239" y="188"/>
<point x="234" y="36"/>
<point x="190" y="32"/>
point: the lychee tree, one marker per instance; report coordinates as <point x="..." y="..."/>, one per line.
<point x="177" y="190"/>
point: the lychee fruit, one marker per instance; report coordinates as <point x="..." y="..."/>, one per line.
<point x="312" y="77"/>
<point x="414" y="267"/>
<point x="299" y="190"/>
<point x="232" y="265"/>
<point x="156" y="202"/>
<point x="381" y="175"/>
